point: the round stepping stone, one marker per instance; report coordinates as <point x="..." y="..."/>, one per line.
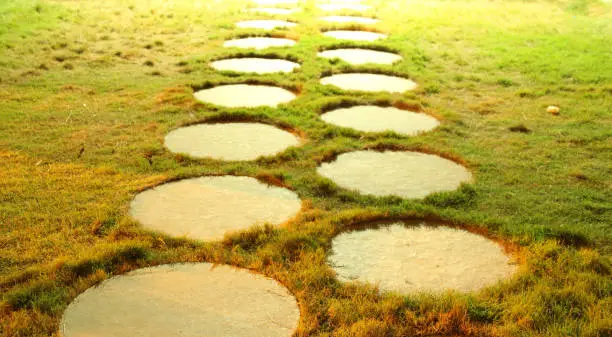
<point x="255" y="65"/>
<point x="273" y="11"/>
<point x="230" y="141"/>
<point x="378" y="119"/>
<point x="369" y="82"/>
<point x="349" y="19"/>
<point x="265" y="24"/>
<point x="357" y="56"/>
<point x="259" y="43"/>
<point x="403" y="174"/>
<point x="354" y="35"/>
<point x="343" y="7"/>
<point x="245" y="95"/>
<point x="409" y="257"/>
<point x="208" y="207"/>
<point x="186" y="300"/>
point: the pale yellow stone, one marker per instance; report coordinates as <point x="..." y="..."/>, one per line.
<point x="410" y="257"/>
<point x="230" y="141"/>
<point x="183" y="300"/>
<point x="370" y="82"/>
<point x="553" y="110"/>
<point x="403" y="174"/>
<point x="255" y="65"/>
<point x="245" y="95"/>
<point x="207" y="208"/>
<point x="378" y="119"/>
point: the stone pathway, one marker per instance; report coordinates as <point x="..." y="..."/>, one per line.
<point x="196" y="299"/>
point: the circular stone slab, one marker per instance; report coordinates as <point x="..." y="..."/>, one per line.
<point x="357" y="56"/>
<point x="265" y="24"/>
<point x="349" y="19"/>
<point x="344" y="6"/>
<point x="403" y="174"/>
<point x="354" y="35"/>
<point x="273" y="11"/>
<point x="259" y="43"/>
<point x="411" y="256"/>
<point x="206" y="208"/>
<point x="245" y="95"/>
<point x="230" y="141"/>
<point x="370" y="82"/>
<point x="186" y="300"/>
<point x="255" y="65"/>
<point x="379" y="119"/>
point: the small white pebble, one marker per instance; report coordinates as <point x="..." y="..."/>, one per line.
<point x="553" y="109"/>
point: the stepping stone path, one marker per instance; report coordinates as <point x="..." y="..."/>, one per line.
<point x="349" y="19"/>
<point x="230" y="141"/>
<point x="265" y="24"/>
<point x="255" y="65"/>
<point x="187" y="300"/>
<point x="259" y="43"/>
<point x="197" y="299"/>
<point x="370" y="82"/>
<point x="370" y="118"/>
<point x="354" y="35"/>
<point x="206" y="208"/>
<point x="404" y="174"/>
<point x="414" y="256"/>
<point x="245" y="95"/>
<point x="357" y="56"/>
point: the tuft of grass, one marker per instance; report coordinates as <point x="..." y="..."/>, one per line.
<point x="520" y="128"/>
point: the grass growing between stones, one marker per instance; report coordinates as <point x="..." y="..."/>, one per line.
<point x="90" y="90"/>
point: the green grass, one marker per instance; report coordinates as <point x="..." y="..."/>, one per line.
<point x="88" y="92"/>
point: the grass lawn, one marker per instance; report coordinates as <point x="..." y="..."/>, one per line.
<point x="88" y="90"/>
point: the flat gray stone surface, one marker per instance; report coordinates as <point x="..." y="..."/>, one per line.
<point x="183" y="300"/>
<point x="410" y="257"/>
<point x="378" y="119"/>
<point x="206" y="208"/>
<point x="398" y="173"/>
<point x="230" y="141"/>
<point x="370" y="82"/>
<point x="245" y="95"/>
<point x="255" y="65"/>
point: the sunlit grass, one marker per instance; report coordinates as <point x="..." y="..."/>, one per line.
<point x="89" y="90"/>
